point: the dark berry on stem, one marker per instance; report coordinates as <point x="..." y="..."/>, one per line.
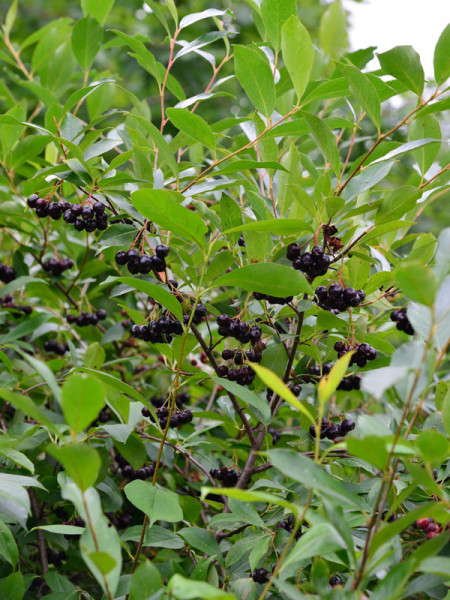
<point x="121" y="257"/>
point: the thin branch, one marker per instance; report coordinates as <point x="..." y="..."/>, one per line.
<point x="236" y="405"/>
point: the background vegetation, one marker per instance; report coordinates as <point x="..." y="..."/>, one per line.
<point x="225" y="305"/>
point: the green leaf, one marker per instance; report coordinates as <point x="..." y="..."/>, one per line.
<point x="157" y="503"/>
<point x="364" y="91"/>
<point x="86" y="41"/>
<point x="328" y="384"/>
<point x="160" y="143"/>
<point x="281" y="389"/>
<point x="367" y="179"/>
<point x="433" y="446"/>
<point x="304" y="470"/>
<point x="18" y="458"/>
<point x="133" y="451"/>
<point x="325" y="140"/>
<point x="115" y="383"/>
<point x="104" y="562"/>
<point x="187" y="589"/>
<point x="246" y="395"/>
<point x="61" y="529"/>
<point x="80" y="461"/>
<point x="371" y="449"/>
<point x="156" y="292"/>
<point x="202" y="540"/>
<point x="403" y="63"/>
<point x="274" y="14"/>
<point x="145" y="582"/>
<point x="333" y="30"/>
<point x="11" y="17"/>
<point x="274" y="226"/>
<point x="8" y="546"/>
<point x="445" y="405"/>
<point x="12" y="587"/>
<point x="205" y="14"/>
<point x="27" y="406"/>
<point x="320" y="539"/>
<point x="298" y="53"/>
<point x="193" y="126"/>
<point x="417" y="281"/>
<point x="163" y="208"/>
<point x="397" y="203"/>
<point x="255" y="75"/>
<point x="83" y="397"/>
<point x="94" y="356"/>
<point x="442" y="57"/>
<point x="143" y="56"/>
<point x="266" y="278"/>
<point x="45" y="372"/>
<point x="423" y="128"/>
<point x="436" y="510"/>
<point x="99" y="9"/>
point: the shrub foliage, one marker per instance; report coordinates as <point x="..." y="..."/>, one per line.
<point x="223" y="321"/>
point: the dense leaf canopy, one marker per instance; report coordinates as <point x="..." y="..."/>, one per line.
<point x="224" y="308"/>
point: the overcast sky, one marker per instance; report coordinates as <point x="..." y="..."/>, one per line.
<point x="389" y="23"/>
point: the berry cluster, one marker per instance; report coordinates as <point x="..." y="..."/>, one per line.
<point x="238" y="356"/>
<point x="178" y="418"/>
<point x="55" y="558"/>
<point x="200" y="313"/>
<point x="401" y="321"/>
<point x="179" y="400"/>
<point x="364" y="352"/>
<point x="313" y="264"/>
<point x="349" y="383"/>
<point x="130" y="473"/>
<point x="240" y="331"/>
<point x="157" y="331"/>
<point x="315" y="371"/>
<point x="288" y="525"/>
<point x="331" y="431"/>
<point x="229" y="477"/>
<point x="260" y="575"/>
<point x="334" y="581"/>
<point x="243" y="375"/>
<point x="295" y="389"/>
<point x="275" y="433"/>
<point x="85" y="217"/>
<point x="272" y="299"/>
<point x="429" y="526"/>
<point x="87" y="318"/>
<point x="137" y="263"/>
<point x="7" y="274"/>
<point x="124" y="520"/>
<point x="7" y="301"/>
<point x="89" y="218"/>
<point x="337" y="299"/>
<point x="53" y="346"/>
<point x="56" y="267"/>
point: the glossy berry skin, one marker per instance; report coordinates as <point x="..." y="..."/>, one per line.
<point x="121" y="257"/>
<point x="32" y="200"/>
<point x="145" y="264"/>
<point x="79" y="225"/>
<point x="98" y="208"/>
<point x="69" y="216"/>
<point x="101" y="314"/>
<point x="54" y="210"/>
<point x="260" y="575"/>
<point x="293" y="252"/>
<point x="87" y="213"/>
<point x="162" y="251"/>
<point x="334" y="580"/>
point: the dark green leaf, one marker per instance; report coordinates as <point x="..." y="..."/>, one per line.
<point x="267" y="278"/>
<point x="255" y="76"/>
<point x="86" y="41"/>
<point x="163" y="208"/>
<point x="403" y="63"/>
